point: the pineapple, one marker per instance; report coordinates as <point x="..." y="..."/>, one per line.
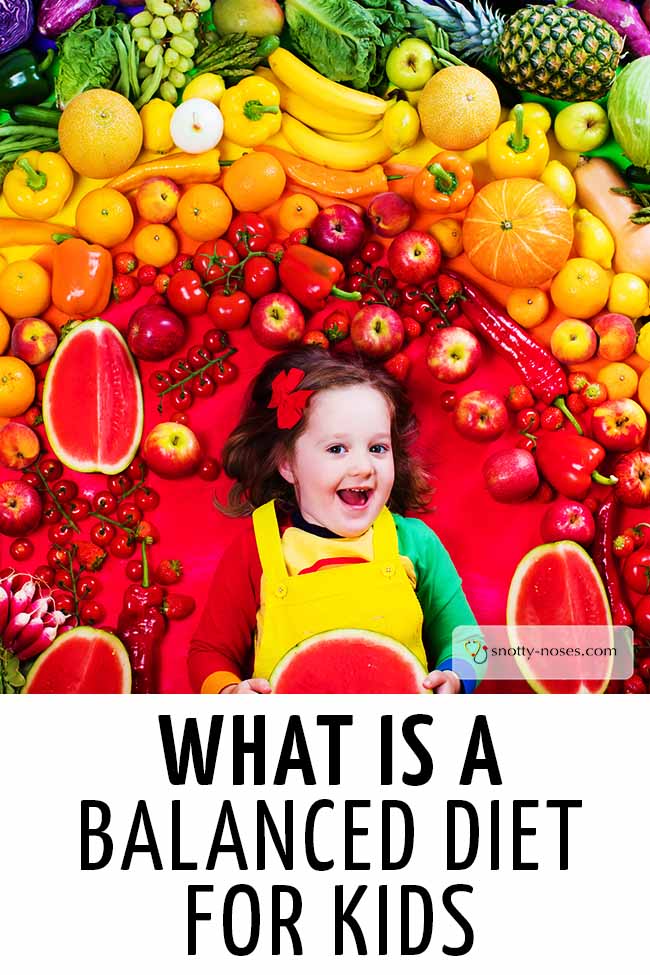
<point x="553" y="51"/>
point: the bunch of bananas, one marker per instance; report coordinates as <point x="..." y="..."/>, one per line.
<point x="337" y="126"/>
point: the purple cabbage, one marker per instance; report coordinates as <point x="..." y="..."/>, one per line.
<point x="55" y="16"/>
<point x="16" y="23"/>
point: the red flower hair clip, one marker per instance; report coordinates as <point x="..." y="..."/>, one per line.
<point x="287" y="399"/>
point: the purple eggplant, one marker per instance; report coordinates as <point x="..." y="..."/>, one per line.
<point x="55" y="16"/>
<point x="16" y="23"/>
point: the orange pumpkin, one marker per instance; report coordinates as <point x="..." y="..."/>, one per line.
<point x="517" y="232"/>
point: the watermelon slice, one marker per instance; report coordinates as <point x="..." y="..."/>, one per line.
<point x="349" y="662"/>
<point x="559" y="585"/>
<point x="81" y="661"/>
<point x="92" y="400"/>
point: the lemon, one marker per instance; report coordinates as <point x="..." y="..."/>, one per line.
<point x="628" y="295"/>
<point x="534" y="113"/>
<point x="643" y="342"/>
<point x="559" y="179"/>
<point x="592" y="239"/>
<point x="401" y="126"/>
<point x="209" y="86"/>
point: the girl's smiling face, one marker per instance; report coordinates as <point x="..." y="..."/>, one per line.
<point x="341" y="465"/>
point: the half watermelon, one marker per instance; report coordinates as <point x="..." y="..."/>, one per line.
<point x="349" y="662"/>
<point x="559" y="585"/>
<point x="81" y="661"/>
<point x="92" y="400"/>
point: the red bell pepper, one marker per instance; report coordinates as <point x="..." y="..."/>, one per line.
<point x="569" y="461"/>
<point x="310" y="277"/>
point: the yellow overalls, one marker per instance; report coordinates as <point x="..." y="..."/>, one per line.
<point x="375" y="596"/>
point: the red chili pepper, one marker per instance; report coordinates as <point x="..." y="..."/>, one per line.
<point x="569" y="461"/>
<point x="541" y="371"/>
<point x="310" y="277"/>
<point x="141" y="636"/>
<point x="603" y="555"/>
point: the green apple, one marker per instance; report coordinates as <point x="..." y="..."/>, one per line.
<point x="410" y="64"/>
<point x="581" y="127"/>
<point x="257" y="17"/>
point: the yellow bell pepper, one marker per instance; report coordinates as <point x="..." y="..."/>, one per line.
<point x="155" y="117"/>
<point x="38" y="185"/>
<point x="251" y="111"/>
<point x="517" y="148"/>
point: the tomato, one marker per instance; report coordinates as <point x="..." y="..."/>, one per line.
<point x="119" y="484"/>
<point x="636" y="571"/>
<point x="122" y="547"/>
<point x="64" y="601"/>
<point x="159" y="381"/>
<point x="229" y="311"/>
<point x="203" y="386"/>
<point x="88" y="585"/>
<point x="50" y="468"/>
<point x="63" y="579"/>
<point x="104" y="502"/>
<point x="128" y="513"/>
<point x="260" y="277"/>
<point x="185" y="293"/>
<point x="65" y="490"/>
<point x="527" y="420"/>
<point x="249" y="232"/>
<point x="197" y="356"/>
<point x="91" y="613"/>
<point x="61" y="534"/>
<point x="209" y="469"/>
<point x="102" y="534"/>
<point x="224" y="373"/>
<point x="146" y="498"/>
<point x="213" y="259"/>
<point x="134" y="570"/>
<point x="642" y="616"/>
<point x="21" y="549"/>
<point x="149" y="532"/>
<point x="57" y="558"/>
<point x="372" y="252"/>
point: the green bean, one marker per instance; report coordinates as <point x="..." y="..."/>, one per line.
<point x="122" y="85"/>
<point x="14" y="130"/>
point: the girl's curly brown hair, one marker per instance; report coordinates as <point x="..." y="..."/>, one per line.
<point x="256" y="447"/>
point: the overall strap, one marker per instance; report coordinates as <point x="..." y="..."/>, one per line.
<point x="385" y="543"/>
<point x="269" y="546"/>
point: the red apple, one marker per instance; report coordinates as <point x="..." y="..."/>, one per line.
<point x="617" y="336"/>
<point x="453" y="354"/>
<point x="414" y="256"/>
<point x="157" y="199"/>
<point x="619" y="424"/>
<point x="20" y="508"/>
<point x="569" y="520"/>
<point x="481" y="415"/>
<point x="337" y="230"/>
<point x="33" y="340"/>
<point x="511" y="475"/>
<point x="19" y="445"/>
<point x="377" y="331"/>
<point x="172" y="450"/>
<point x="633" y="473"/>
<point x="155" y="332"/>
<point x="276" y="321"/>
<point x="389" y="213"/>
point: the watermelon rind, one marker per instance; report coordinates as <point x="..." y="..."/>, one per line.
<point x="520" y="574"/>
<point x="382" y="642"/>
<point x="113" y="644"/>
<point x="76" y="460"/>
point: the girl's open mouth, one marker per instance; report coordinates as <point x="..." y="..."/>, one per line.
<point x="355" y="497"/>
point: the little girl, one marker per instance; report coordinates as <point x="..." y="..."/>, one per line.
<point x="321" y="458"/>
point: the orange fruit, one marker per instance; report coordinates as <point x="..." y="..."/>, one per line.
<point x="449" y="234"/>
<point x="581" y="288"/>
<point x="17" y="386"/>
<point x="100" y="133"/>
<point x="459" y="107"/>
<point x="621" y="380"/>
<point x="254" y="181"/>
<point x="155" y="244"/>
<point x="5" y="331"/>
<point x="104" y="217"/>
<point x="24" y="289"/>
<point x="528" y="306"/>
<point x="297" y="212"/>
<point x="643" y="390"/>
<point x="517" y="231"/>
<point x="204" y="212"/>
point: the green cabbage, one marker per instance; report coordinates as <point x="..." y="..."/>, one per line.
<point x="627" y="108"/>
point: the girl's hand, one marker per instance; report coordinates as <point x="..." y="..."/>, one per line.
<point x="256" y="685"/>
<point x="442" y="682"/>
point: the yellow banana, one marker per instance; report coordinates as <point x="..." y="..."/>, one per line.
<point x="329" y="95"/>
<point x="333" y="152"/>
<point x="319" y="118"/>
<point x="353" y="137"/>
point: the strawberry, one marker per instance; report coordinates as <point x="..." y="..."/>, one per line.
<point x="90" y="556"/>
<point x="125" y="262"/>
<point x="125" y="287"/>
<point x="519" y="398"/>
<point x="578" y="381"/>
<point x="594" y="394"/>
<point x="398" y="366"/>
<point x="449" y="288"/>
<point x="147" y="274"/>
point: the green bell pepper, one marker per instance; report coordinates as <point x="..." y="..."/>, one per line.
<point x="22" y="80"/>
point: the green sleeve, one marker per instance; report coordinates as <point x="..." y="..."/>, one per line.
<point x="444" y="605"/>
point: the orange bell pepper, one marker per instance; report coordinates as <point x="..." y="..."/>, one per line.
<point x="445" y="184"/>
<point x="82" y="275"/>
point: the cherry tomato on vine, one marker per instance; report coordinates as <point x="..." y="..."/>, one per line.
<point x="636" y="571"/>
<point x="102" y="534"/>
<point x="229" y="311"/>
<point x="213" y="259"/>
<point x="88" y="585"/>
<point x="91" y="613"/>
<point x="249" y="232"/>
<point x="224" y="373"/>
<point x="260" y="277"/>
<point x="21" y="549"/>
<point x="185" y="293"/>
<point x="146" y="498"/>
<point x="122" y="547"/>
<point x="134" y="570"/>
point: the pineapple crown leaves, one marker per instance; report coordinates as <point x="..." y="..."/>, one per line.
<point x="473" y="33"/>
